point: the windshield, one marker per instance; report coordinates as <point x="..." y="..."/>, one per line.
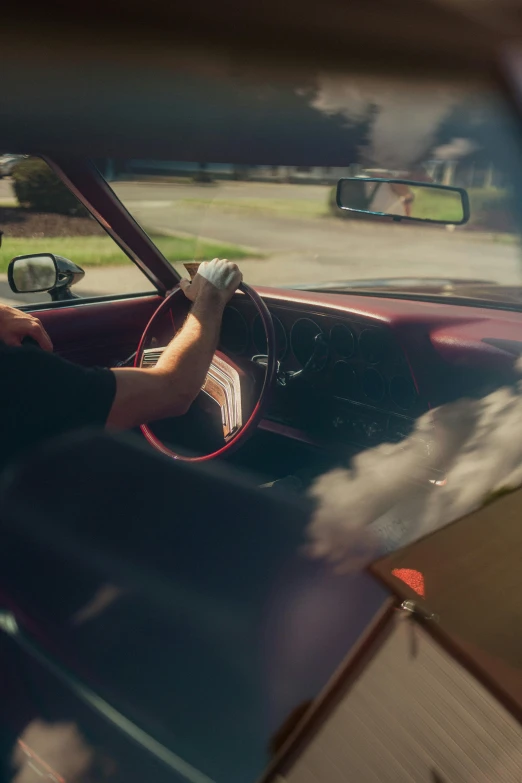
<point x="271" y="203"/>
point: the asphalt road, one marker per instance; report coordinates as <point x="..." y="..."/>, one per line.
<point x="297" y="249"/>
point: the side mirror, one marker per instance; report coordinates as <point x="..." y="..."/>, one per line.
<point x="41" y="272"/>
<point x="403" y="199"/>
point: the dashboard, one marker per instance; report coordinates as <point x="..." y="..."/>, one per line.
<point x="361" y="390"/>
<point x="385" y="362"/>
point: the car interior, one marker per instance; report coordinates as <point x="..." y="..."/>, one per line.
<point x="155" y="606"/>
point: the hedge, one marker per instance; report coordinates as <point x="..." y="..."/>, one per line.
<point x="37" y="187"/>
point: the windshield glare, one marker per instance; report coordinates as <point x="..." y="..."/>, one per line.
<point x="282" y="222"/>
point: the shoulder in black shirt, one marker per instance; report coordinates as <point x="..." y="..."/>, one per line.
<point x="42" y="395"/>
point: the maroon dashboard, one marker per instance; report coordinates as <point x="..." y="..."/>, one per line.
<point x="387" y="361"/>
<point x="361" y="389"/>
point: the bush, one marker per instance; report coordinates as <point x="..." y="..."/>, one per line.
<point x="333" y="209"/>
<point x="492" y="209"/>
<point x="37" y="187"/>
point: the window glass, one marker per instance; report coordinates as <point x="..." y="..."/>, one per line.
<point x="281" y="217"/>
<point x="39" y="214"/>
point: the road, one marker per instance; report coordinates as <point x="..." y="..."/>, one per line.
<point x="298" y="249"/>
<point x="317" y="249"/>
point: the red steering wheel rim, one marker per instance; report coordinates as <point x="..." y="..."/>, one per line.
<point x="255" y="417"/>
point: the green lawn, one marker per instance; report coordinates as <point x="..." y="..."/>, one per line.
<point x="431" y="204"/>
<point x="440" y="205"/>
<point x="102" y="251"/>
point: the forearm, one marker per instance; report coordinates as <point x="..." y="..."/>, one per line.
<point x="185" y="362"/>
<point x="169" y="388"/>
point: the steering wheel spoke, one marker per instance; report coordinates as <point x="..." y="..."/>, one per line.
<point x="231" y="388"/>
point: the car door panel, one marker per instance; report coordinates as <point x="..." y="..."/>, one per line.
<point x="100" y="333"/>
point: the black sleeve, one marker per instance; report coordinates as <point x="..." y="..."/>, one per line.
<point x="43" y="395"/>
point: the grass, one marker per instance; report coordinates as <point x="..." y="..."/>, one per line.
<point x="438" y="205"/>
<point x="291" y="207"/>
<point x="102" y="251"/>
<point x="431" y="204"/>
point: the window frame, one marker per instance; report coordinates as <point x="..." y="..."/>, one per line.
<point x="88" y="185"/>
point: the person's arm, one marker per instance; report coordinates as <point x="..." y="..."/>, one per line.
<point x="169" y="388"/>
<point x="15" y="325"/>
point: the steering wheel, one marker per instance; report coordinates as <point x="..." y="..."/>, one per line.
<point x="231" y="384"/>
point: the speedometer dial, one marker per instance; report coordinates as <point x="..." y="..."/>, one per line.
<point x="259" y="336"/>
<point x="342" y="340"/>
<point x="302" y="339"/>
<point x="373" y="345"/>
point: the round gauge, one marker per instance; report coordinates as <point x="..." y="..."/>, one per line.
<point x="345" y="381"/>
<point x="402" y="392"/>
<point x="342" y="340"/>
<point x="234" y="331"/>
<point x="373" y="345"/>
<point x="302" y="339"/>
<point x="259" y="336"/>
<point x="373" y="385"/>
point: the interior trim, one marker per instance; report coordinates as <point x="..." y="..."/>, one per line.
<point x="461" y="301"/>
<point x="91" y="300"/>
<point x="267" y="425"/>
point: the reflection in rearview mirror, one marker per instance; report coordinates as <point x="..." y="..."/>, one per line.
<point x="404" y="200"/>
<point x="31" y="274"/>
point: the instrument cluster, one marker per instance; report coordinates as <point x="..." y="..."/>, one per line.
<point x="363" y="364"/>
<point x="355" y="385"/>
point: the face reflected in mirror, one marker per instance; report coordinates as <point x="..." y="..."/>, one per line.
<point x="403" y="199"/>
<point x="33" y="273"/>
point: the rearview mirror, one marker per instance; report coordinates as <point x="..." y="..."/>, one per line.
<point x="44" y="272"/>
<point x="403" y="199"/>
